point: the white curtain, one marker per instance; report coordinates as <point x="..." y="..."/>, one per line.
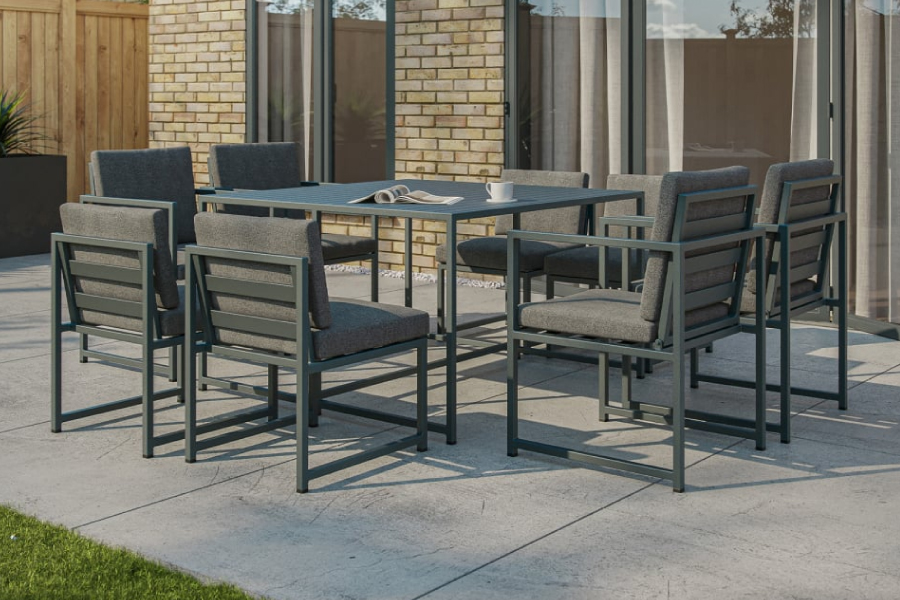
<point x="872" y="165"/>
<point x="803" y="102"/>
<point x="575" y="107"/>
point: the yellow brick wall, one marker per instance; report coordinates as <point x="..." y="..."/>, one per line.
<point x="449" y="97"/>
<point x="197" y="76"/>
<point x="449" y="104"/>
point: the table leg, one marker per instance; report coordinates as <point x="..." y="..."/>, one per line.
<point x="450" y="331"/>
<point x="407" y="262"/>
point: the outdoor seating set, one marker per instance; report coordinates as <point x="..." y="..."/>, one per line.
<point x="681" y="264"/>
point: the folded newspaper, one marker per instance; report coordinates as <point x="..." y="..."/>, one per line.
<point x="400" y="194"/>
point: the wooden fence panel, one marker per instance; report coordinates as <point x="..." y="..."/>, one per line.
<point x="83" y="65"/>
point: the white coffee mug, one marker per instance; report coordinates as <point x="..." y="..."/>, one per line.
<point x="500" y="191"/>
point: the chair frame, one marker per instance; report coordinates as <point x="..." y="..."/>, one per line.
<point x="672" y="346"/>
<point x="778" y="278"/>
<point x="317" y="216"/>
<point x="308" y="370"/>
<point x="65" y="268"/>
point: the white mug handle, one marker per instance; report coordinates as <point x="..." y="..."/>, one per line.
<point x="487" y="186"/>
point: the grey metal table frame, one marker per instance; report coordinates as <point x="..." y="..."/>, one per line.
<point x="334" y="199"/>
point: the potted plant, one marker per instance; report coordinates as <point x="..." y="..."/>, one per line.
<point x="32" y="185"/>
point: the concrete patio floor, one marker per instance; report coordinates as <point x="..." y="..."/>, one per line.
<point x="813" y="519"/>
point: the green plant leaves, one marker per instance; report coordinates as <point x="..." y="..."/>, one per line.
<point x="19" y="132"/>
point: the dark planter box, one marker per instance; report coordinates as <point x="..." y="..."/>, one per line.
<point x="31" y="191"/>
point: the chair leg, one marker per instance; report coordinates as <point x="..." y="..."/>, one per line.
<point x="678" y="422"/>
<point x="179" y="371"/>
<point x="147" y="397"/>
<point x="374" y="278"/>
<point x="626" y="381"/>
<point x="190" y="400"/>
<point x="842" y="356"/>
<point x="603" y="385"/>
<point x="695" y="368"/>
<point x="272" y="396"/>
<point x="302" y="429"/>
<point x="315" y="396"/>
<point x="760" y="335"/>
<point x="785" y="407"/>
<point x="422" y="397"/>
<point x="56" y="378"/>
<point x="512" y="396"/>
<point x="441" y="299"/>
<point x="83" y="347"/>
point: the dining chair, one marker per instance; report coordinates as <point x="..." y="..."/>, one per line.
<point x="262" y="295"/>
<point x="159" y="178"/>
<point x="114" y="266"/>
<point x="488" y="255"/>
<point x="276" y="165"/>
<point x="600" y="266"/>
<point x="800" y="212"/>
<point x="698" y="253"/>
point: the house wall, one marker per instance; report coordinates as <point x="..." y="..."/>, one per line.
<point x="197" y="76"/>
<point x="449" y="97"/>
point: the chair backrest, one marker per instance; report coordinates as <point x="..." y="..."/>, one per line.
<point x="106" y="281"/>
<point x="263" y="166"/>
<point x="262" y="235"/>
<point x="793" y="192"/>
<point x="694" y="205"/>
<point x="153" y="174"/>
<point x="555" y="220"/>
<point x="649" y="184"/>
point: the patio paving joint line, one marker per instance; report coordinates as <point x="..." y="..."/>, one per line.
<point x="538" y="539"/>
<point x="179" y="495"/>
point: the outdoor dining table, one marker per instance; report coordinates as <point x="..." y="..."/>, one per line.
<point x="336" y="198"/>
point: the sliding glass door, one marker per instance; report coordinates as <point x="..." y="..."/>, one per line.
<point x="568" y="86"/>
<point x="731" y="83"/>
<point x="320" y="76"/>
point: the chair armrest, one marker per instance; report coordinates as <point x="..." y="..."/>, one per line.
<point x="165" y="205"/>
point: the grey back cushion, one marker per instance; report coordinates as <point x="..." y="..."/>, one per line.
<point x="267" y="235"/>
<point x="649" y="184"/>
<point x="265" y="166"/>
<point x="770" y="203"/>
<point x="123" y="224"/>
<point x="555" y="220"/>
<point x="674" y="184"/>
<point x="153" y="174"/>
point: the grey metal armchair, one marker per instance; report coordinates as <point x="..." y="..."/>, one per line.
<point x="488" y="255"/>
<point x="275" y="165"/>
<point x="601" y="266"/>
<point x="699" y="246"/>
<point x="800" y="212"/>
<point x="119" y="280"/>
<point x="260" y="285"/>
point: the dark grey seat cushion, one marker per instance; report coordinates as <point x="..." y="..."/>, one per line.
<point x="171" y="322"/>
<point x="798" y="288"/>
<point x="153" y="174"/>
<point x="490" y="253"/>
<point x="336" y="246"/>
<point x="584" y="263"/>
<point x="606" y="314"/>
<point x="358" y="325"/>
<point x="123" y="224"/>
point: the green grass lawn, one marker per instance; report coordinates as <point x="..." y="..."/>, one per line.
<point x="47" y="562"/>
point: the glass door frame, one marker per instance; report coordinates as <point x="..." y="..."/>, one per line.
<point x="323" y="85"/>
